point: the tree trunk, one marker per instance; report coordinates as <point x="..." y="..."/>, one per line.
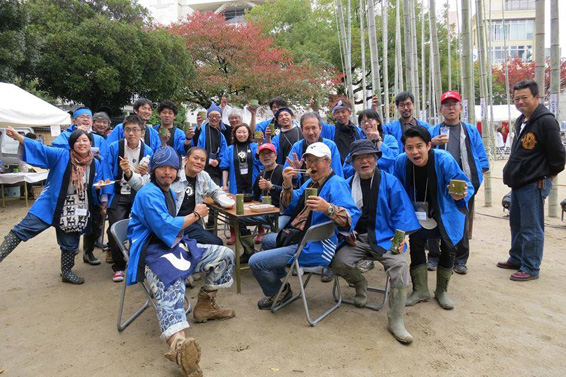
<point x="376" y="80"/>
<point x="467" y="64"/>
<point x="539" y="49"/>
<point x="554" y="92"/>
<point x="385" y="35"/>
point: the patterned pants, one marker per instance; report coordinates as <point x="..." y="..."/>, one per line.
<point x="217" y="262"/>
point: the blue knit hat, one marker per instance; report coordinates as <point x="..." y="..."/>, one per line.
<point x="164" y="156"/>
<point x="212" y="108"/>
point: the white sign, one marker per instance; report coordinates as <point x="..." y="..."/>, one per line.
<point x="55" y="130"/>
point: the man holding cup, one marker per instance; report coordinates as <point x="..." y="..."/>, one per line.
<point x="385" y="208"/>
<point x="333" y="203"/>
<point x="464" y="143"/>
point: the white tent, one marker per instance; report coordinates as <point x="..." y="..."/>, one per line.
<point x="500" y="113"/>
<point x="20" y="108"/>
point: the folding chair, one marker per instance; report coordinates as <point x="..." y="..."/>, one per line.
<point x="380" y="304"/>
<point x="316" y="233"/>
<point x="119" y="231"/>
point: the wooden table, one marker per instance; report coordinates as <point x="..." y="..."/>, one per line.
<point x="14" y="178"/>
<point x="229" y="216"/>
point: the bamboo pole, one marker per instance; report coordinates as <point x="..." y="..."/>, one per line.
<point x="467" y="63"/>
<point x="398" y="52"/>
<point x="347" y="57"/>
<point x="436" y="78"/>
<point x="408" y="44"/>
<point x="363" y="48"/>
<point x="376" y="80"/>
<point x="426" y="113"/>
<point x="449" y="40"/>
<point x="554" y="92"/>
<point x="416" y="88"/>
<point x="539" y="49"/>
<point x="385" y="36"/>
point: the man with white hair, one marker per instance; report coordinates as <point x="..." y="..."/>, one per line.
<point x="333" y="203"/>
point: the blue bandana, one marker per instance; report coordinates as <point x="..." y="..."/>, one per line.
<point x="81" y="111"/>
<point x="212" y="108"/>
<point x="164" y="156"/>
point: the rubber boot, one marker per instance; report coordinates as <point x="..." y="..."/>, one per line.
<point x="442" y="278"/>
<point x="260" y="234"/>
<point x="207" y="308"/>
<point x="67" y="263"/>
<point x="88" y="257"/>
<point x="185" y="352"/>
<point x="395" y="323"/>
<point x="11" y="241"/>
<point x="232" y="239"/>
<point x="355" y="278"/>
<point x="420" y="293"/>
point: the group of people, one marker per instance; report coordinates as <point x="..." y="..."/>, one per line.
<point x="364" y="184"/>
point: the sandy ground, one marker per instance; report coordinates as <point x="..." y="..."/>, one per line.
<point x="498" y="328"/>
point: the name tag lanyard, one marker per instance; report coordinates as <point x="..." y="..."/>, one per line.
<point x="421" y="208"/>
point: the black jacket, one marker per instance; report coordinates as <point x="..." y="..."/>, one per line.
<point x="537" y="152"/>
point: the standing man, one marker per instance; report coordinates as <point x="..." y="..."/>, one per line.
<point x="144" y="109"/>
<point x="405" y="102"/>
<point x="385" y="207"/>
<point x="101" y="124"/>
<point x="464" y="143"/>
<point x="537" y="156"/>
<point x="274" y="104"/>
<point x="289" y="135"/>
<point x="344" y="132"/>
<point x="173" y="137"/>
<point x="426" y="173"/>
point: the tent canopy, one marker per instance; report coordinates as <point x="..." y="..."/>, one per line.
<point x="20" y="108"/>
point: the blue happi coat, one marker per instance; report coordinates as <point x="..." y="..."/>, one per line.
<point x="178" y="140"/>
<point x="474" y="144"/>
<point x="335" y="191"/>
<point x="389" y="152"/>
<point x="202" y="143"/>
<point x="118" y="134"/>
<point x="452" y="213"/>
<point x="149" y="216"/>
<point x="336" y="164"/>
<point x="394" y="211"/>
<point x="394" y="128"/>
<point x="227" y="163"/>
<point x="62" y="141"/>
<point x="329" y="131"/>
<point x="58" y="160"/>
<point x="113" y="165"/>
<point x="275" y="141"/>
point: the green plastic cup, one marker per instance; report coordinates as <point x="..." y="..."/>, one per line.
<point x="239" y="204"/>
<point x="254" y="102"/>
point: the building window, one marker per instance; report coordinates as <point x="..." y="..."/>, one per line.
<point x="515" y="30"/>
<point x="519" y="4"/>
<point x="497" y="53"/>
<point x="235" y="15"/>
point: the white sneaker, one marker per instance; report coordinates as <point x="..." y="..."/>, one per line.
<point x="118" y="276"/>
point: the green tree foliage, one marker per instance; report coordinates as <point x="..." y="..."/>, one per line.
<point x="100" y="53"/>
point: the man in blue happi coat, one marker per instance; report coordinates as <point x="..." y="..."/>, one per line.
<point x="405" y="102"/>
<point x="385" y="208"/>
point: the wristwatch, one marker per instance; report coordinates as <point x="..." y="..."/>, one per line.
<point x="330" y="211"/>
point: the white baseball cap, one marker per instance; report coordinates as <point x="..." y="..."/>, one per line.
<point x="318" y="150"/>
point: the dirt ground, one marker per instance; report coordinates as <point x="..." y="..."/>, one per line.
<point x="498" y="327"/>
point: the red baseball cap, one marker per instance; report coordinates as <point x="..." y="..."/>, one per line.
<point x="265" y="146"/>
<point x="450" y="94"/>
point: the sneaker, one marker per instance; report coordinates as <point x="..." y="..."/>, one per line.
<point x="365" y="265"/>
<point x="267" y="302"/>
<point x="118" y="276"/>
<point x="460" y="269"/>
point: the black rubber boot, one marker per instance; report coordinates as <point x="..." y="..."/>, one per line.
<point x="67" y="263"/>
<point x="11" y="241"/>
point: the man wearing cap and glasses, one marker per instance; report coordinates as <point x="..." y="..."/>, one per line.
<point x="332" y="203"/>
<point x="426" y="172"/>
<point x="385" y="208"/>
<point x="464" y="143"/>
<point x="405" y="102"/>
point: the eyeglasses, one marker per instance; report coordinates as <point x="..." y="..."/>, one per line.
<point x="368" y="121"/>
<point x="405" y="105"/>
<point x="215" y="116"/>
<point x="450" y="105"/>
<point x="132" y="130"/>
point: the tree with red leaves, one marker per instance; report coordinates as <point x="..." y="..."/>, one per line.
<point x="238" y="61"/>
<point x="520" y="70"/>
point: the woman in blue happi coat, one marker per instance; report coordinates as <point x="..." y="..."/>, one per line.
<point x="370" y="121"/>
<point x="240" y="167"/>
<point x="67" y="200"/>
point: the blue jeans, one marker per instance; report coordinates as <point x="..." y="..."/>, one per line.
<point x="31" y="226"/>
<point x="526" y="217"/>
<point x="268" y="266"/>
<point x="201" y="235"/>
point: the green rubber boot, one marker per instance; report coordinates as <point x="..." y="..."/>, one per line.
<point x="354" y="276"/>
<point x="419" y="276"/>
<point x="395" y="323"/>
<point x="442" y="278"/>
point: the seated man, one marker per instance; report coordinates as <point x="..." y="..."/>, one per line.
<point x="426" y="173"/>
<point x="193" y="186"/>
<point x="160" y="253"/>
<point x="385" y="208"/>
<point x="333" y="203"/>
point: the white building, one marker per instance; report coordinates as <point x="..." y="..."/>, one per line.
<point x="169" y="11"/>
